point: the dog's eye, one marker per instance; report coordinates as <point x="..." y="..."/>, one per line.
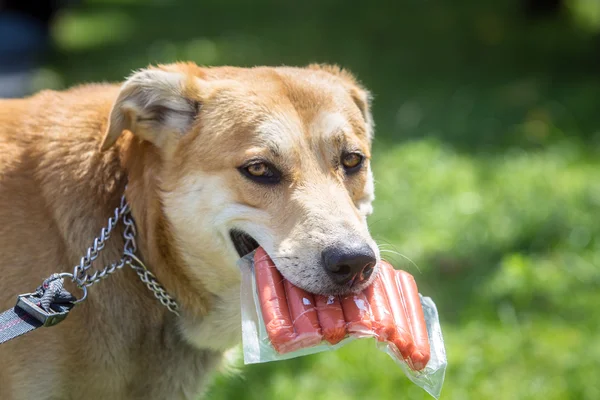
<point x="352" y="162"/>
<point x="261" y="172"/>
<point x="258" y="169"/>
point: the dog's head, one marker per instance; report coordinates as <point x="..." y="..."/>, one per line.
<point x="276" y="157"/>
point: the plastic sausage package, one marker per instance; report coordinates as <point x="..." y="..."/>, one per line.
<point x="299" y="323"/>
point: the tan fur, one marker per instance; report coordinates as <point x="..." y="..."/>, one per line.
<point x="175" y="135"/>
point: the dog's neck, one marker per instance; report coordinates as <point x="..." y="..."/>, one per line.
<point x="141" y="163"/>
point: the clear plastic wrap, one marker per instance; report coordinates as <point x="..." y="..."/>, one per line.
<point x="258" y="348"/>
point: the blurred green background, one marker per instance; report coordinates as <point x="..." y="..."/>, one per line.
<point x="486" y="160"/>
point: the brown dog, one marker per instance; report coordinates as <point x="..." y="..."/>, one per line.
<point x="215" y="160"/>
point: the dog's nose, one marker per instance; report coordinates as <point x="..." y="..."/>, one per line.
<point x="349" y="263"/>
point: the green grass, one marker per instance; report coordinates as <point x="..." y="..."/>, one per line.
<point x="487" y="164"/>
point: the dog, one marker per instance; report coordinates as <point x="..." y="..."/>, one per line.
<point x="213" y="162"/>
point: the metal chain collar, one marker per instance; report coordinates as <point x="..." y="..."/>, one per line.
<point x="83" y="277"/>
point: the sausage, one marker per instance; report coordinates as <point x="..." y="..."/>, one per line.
<point x="273" y="302"/>
<point x="383" y="322"/>
<point x="410" y="294"/>
<point x="304" y="317"/>
<point x="331" y="318"/>
<point x="357" y="314"/>
<point x="390" y="307"/>
<point x="402" y="337"/>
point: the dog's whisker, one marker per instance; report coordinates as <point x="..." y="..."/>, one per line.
<point x="403" y="256"/>
<point x="281" y="281"/>
<point x="276" y="257"/>
<point x="370" y="223"/>
<point x="386" y="243"/>
<point x="394" y="251"/>
<point x="263" y="258"/>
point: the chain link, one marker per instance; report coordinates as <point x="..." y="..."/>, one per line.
<point x="82" y="277"/>
<point x="152" y="283"/>
<point x="80" y="271"/>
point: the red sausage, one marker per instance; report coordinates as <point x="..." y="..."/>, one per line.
<point x="383" y="322"/>
<point x="402" y="337"/>
<point x="357" y="314"/>
<point x="304" y="316"/>
<point x="331" y="318"/>
<point x="410" y="294"/>
<point x="274" y="307"/>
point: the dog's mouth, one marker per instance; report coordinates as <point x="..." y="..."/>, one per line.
<point x="243" y="243"/>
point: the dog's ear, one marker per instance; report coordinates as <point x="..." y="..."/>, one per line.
<point x="361" y="96"/>
<point x="155" y="105"/>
